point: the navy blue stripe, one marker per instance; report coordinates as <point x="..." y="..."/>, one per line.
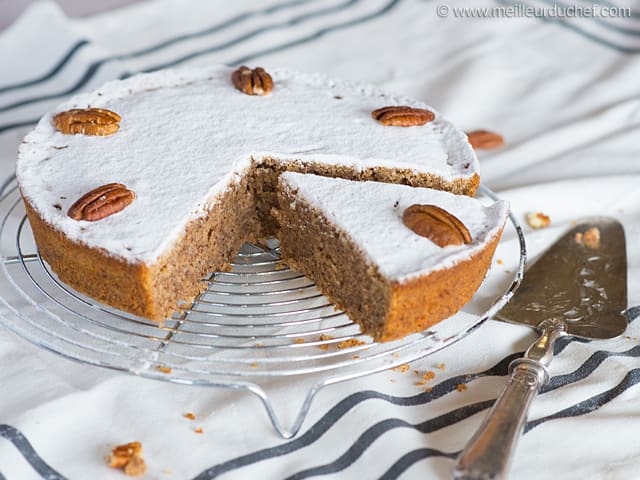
<point x="601" y="41"/>
<point x="88" y="75"/>
<point x="284" y="46"/>
<point x="50" y="73"/>
<point x="11" y="126"/>
<point x="213" y="29"/>
<point x="365" y="440"/>
<point x="95" y="66"/>
<point x="600" y="20"/>
<point x="377" y="430"/>
<point x="412" y="457"/>
<point x="320" y="33"/>
<point x="344" y="406"/>
<point x="277" y="26"/>
<point x="582" y="408"/>
<point x="634" y="13"/>
<point x="329" y="419"/>
<point x="593" y="403"/>
<point x="164" y="44"/>
<point x="30" y="455"/>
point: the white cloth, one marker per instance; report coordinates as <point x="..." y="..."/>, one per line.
<point x="566" y="96"/>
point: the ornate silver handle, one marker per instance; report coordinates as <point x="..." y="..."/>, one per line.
<point x="488" y="454"/>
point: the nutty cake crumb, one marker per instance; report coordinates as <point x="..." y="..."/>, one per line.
<point x="352" y="342"/>
<point x="589" y="238"/>
<point x="429" y="375"/>
<point x="324" y="338"/>
<point x="128" y="457"/>
<point x="461" y="387"/>
<point x="441" y="366"/>
<point x="163" y="369"/>
<point x="199" y="430"/>
<point x="538" y="220"/>
<point x="401" y="368"/>
<point x="189" y="415"/>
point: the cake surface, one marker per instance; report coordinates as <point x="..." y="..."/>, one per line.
<point x="339" y="232"/>
<point x="203" y="160"/>
<point x="186" y="135"/>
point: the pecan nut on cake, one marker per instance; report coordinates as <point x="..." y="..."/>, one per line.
<point x="135" y="191"/>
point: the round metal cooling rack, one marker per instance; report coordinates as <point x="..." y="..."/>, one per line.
<point x="258" y="321"/>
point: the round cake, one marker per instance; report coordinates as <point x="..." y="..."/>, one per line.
<point x="137" y="190"/>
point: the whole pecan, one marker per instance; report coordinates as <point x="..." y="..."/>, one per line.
<point x="87" y="121"/>
<point x="484" y="139"/>
<point x="436" y="224"/>
<point x="252" y="82"/>
<point x="403" y="116"/>
<point x="101" y="202"/>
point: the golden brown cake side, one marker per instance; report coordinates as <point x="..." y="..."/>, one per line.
<point x="385" y="309"/>
<point x="210" y="242"/>
<point x="153" y="291"/>
<point x="424" y="301"/>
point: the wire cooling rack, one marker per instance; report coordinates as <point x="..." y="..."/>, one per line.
<point x="260" y="321"/>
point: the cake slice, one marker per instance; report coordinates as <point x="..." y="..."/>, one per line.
<point x="397" y="259"/>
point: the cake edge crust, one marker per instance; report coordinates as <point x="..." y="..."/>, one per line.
<point x="151" y="290"/>
<point x="386" y="309"/>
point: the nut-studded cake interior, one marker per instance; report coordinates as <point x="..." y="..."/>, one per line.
<point x="339" y="232"/>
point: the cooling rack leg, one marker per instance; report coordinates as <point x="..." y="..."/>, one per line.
<point x="275" y="421"/>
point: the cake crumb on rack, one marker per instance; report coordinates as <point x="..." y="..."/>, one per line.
<point x="441" y="366"/>
<point x="324" y="338"/>
<point x="199" y="430"/>
<point x="128" y="458"/>
<point x="402" y="368"/>
<point x="461" y="387"/>
<point x="352" y="342"/>
<point x="164" y="369"/>
<point x="299" y="341"/>
<point x="189" y="415"/>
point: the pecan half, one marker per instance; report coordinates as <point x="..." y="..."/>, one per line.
<point x="403" y="116"/>
<point x="485" y="140"/>
<point x="436" y="224"/>
<point x="252" y="82"/>
<point x="87" y="121"/>
<point x="101" y="202"/>
<point x="128" y="457"/>
<point x="538" y="220"/>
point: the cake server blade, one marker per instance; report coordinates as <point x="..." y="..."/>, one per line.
<point x="578" y="287"/>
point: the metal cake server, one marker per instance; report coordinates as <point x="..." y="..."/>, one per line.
<point x="573" y="289"/>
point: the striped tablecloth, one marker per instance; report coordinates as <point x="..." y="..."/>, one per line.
<point x="564" y="91"/>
